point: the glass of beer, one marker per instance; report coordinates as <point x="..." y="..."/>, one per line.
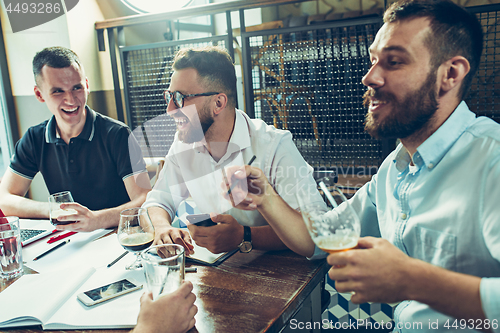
<point x="135" y="233"/>
<point x="55" y="200"/>
<point x="332" y="230"/>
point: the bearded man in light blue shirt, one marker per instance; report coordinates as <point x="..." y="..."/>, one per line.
<point x="435" y="199"/>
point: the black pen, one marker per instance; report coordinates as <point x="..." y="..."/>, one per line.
<point x="235" y="183"/>
<point x="116" y="260"/>
<point x="51" y="249"/>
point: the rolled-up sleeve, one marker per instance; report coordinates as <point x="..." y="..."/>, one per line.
<point x="490" y="299"/>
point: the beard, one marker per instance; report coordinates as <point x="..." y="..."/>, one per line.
<point x="407" y="116"/>
<point x="197" y="133"/>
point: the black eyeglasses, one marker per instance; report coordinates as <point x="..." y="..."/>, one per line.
<point x="179" y="98"/>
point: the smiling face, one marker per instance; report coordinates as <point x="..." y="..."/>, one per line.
<point x="195" y="118"/>
<point x="65" y="92"/>
<point x="401" y="95"/>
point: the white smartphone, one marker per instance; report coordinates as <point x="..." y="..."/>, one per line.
<point x="109" y="291"/>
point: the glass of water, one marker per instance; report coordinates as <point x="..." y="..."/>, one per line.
<point x="163" y="268"/>
<point x="11" y="258"/>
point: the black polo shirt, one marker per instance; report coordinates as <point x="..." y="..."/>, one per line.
<point x="93" y="165"/>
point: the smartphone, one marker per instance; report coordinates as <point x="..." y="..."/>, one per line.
<point x="109" y="291"/>
<point x="200" y="220"/>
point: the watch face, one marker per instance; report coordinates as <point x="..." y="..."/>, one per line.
<point x="246" y="247"/>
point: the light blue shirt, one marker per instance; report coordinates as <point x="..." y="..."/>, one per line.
<point x="444" y="210"/>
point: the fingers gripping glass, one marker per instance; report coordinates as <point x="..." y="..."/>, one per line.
<point x="179" y="97"/>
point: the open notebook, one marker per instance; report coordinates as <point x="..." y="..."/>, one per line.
<point x="49" y="299"/>
<point x="205" y="257"/>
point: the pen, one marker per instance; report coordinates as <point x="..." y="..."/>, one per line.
<point x="51" y="249"/>
<point x="190" y="269"/>
<point x="232" y="187"/>
<point x="59" y="237"/>
<point x="116" y="260"/>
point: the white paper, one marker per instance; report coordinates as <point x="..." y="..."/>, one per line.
<point x="63" y="256"/>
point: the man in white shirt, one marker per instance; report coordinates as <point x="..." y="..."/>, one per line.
<point x="213" y="135"/>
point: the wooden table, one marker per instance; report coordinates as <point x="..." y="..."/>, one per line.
<point x="253" y="292"/>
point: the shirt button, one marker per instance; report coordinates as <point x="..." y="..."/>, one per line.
<point x="70" y="161"/>
<point x="403" y="216"/>
<point x="430" y="166"/>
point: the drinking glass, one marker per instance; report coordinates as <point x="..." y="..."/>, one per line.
<point x="135" y="233"/>
<point x="11" y="259"/>
<point x="163" y="268"/>
<point x="332" y="230"/>
<point x="55" y="200"/>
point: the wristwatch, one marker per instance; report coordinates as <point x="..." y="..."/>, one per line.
<point x="246" y="245"/>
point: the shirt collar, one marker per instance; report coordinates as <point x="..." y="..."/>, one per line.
<point x="52" y="136"/>
<point x="432" y="150"/>
<point x="240" y="138"/>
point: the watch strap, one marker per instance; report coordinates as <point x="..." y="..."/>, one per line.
<point x="247" y="234"/>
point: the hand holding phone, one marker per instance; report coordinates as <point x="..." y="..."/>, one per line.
<point x="200" y="220"/>
<point x="109" y="291"/>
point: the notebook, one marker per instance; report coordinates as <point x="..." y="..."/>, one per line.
<point x="205" y="257"/>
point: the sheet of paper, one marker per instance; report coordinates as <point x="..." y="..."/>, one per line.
<point x="101" y="252"/>
<point x="63" y="256"/>
<point x="39" y="295"/>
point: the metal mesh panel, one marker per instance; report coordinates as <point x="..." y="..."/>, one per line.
<point x="309" y="82"/>
<point x="147" y="74"/>
<point x="484" y="95"/>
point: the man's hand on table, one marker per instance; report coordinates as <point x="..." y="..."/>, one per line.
<point x="223" y="237"/>
<point x="166" y="234"/>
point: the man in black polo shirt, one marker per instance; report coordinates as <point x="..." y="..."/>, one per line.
<point x="77" y="149"/>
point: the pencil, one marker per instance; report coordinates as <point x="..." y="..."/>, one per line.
<point x="50" y="250"/>
<point x="117" y="259"/>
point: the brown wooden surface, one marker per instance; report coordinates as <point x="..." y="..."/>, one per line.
<point x="209" y="9"/>
<point x="254" y="292"/>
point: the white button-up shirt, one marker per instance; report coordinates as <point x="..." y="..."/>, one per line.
<point x="190" y="170"/>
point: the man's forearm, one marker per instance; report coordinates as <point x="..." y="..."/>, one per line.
<point x="264" y="238"/>
<point x="159" y="216"/>
<point x="451" y="293"/>
<point x="15" y="205"/>
<point x="110" y="217"/>
<point x="287" y="223"/>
